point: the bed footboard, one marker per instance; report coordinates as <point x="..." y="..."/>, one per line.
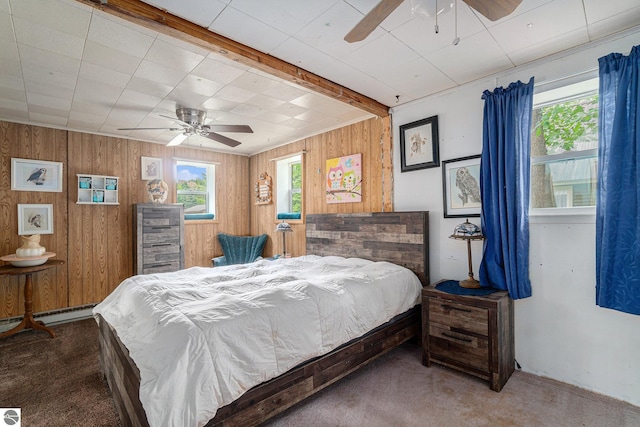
<point x="270" y="398"/>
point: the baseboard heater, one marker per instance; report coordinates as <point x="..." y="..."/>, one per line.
<point x="53" y="317"/>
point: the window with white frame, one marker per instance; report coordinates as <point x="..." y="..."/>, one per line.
<point x="289" y="187"/>
<point x="564" y="149"/>
<point x="196" y="184"/>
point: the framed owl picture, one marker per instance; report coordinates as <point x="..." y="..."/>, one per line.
<point x="36" y="175"/>
<point x="461" y="187"/>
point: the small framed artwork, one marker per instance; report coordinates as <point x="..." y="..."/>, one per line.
<point x="35" y="219"/>
<point x="36" y="175"/>
<point x="151" y="168"/>
<point x="461" y="187"/>
<point x="419" y="144"/>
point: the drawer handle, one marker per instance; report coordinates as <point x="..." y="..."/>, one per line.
<point x="450" y="307"/>
<point x="161" y="227"/>
<point x="161" y="244"/>
<point x="456" y="338"/>
<point x="157" y="265"/>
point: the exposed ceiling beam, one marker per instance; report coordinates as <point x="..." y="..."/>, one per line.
<point x="163" y="22"/>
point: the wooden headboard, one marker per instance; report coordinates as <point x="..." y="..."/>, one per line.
<point x="398" y="237"/>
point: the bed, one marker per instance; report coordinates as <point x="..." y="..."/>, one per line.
<point x="400" y="238"/>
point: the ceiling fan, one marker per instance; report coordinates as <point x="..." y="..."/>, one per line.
<point x="492" y="9"/>
<point x="192" y="120"/>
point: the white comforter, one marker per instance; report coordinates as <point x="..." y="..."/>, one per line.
<point x="202" y="337"/>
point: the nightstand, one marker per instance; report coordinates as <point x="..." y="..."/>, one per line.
<point x="472" y="334"/>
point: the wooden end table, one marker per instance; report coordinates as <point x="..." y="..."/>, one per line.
<point x="28" y="321"/>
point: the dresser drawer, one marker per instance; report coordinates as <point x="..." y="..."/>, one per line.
<point x="160" y="267"/>
<point x="458" y="316"/>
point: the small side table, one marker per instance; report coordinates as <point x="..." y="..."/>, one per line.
<point x="28" y="321"/>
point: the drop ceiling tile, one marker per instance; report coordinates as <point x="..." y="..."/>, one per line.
<point x="133" y="98"/>
<point x="123" y="117"/>
<point x="10" y="68"/>
<point x="35" y="99"/>
<point x="82" y="126"/>
<point x="322" y="104"/>
<point x="311" y="116"/>
<point x="398" y="17"/>
<point x="234" y="94"/>
<point x="89" y="90"/>
<point x="39" y="88"/>
<point x="181" y="44"/>
<point x="48" y="77"/>
<point x="168" y="55"/>
<point x="48" y="39"/>
<point x="247" y="110"/>
<point x="368" y="56"/>
<point x="149" y="87"/>
<point x="158" y="73"/>
<point x="12" y="94"/>
<point x="10" y="104"/>
<point x="112" y="59"/>
<point x="272" y="117"/>
<point x="116" y="36"/>
<point x="418" y="77"/>
<point x="215" y="104"/>
<point x="326" y="32"/>
<point x="49" y="111"/>
<point x="265" y="102"/>
<point x="522" y="8"/>
<point x="91" y="71"/>
<point x="253" y="82"/>
<point x="285" y="91"/>
<point x="57" y="63"/>
<point x="548" y="22"/>
<point x="538" y="50"/>
<point x="613" y="24"/>
<point x="217" y="71"/>
<point x="93" y="107"/>
<point x="58" y="15"/>
<point x="88" y="117"/>
<point x="201" y="12"/>
<point x="11" y="82"/>
<point x="47" y="119"/>
<point x="289" y="109"/>
<point x="4" y="6"/>
<point x="480" y="50"/>
<point x="8" y="48"/>
<point x="249" y="31"/>
<point x="288" y="16"/>
<point x="186" y="98"/>
<point x="199" y="85"/>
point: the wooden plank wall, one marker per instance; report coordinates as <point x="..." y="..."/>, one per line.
<point x="371" y="137"/>
<point x="96" y="242"/>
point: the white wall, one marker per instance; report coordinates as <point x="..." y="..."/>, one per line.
<point x="559" y="332"/>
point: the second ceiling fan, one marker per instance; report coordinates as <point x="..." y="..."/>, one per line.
<point x="192" y="120"/>
<point x="491" y="9"/>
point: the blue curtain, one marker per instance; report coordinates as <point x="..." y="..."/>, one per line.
<point x="504" y="188"/>
<point x="618" y="205"/>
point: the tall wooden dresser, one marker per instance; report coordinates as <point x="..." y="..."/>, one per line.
<point x="159" y="237"/>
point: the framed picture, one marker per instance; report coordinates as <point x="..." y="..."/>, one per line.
<point x="35" y="219"/>
<point x="36" y="175"/>
<point x="419" y="144"/>
<point x="151" y="168"/>
<point x="461" y="187"/>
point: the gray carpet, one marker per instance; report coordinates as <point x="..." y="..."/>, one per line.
<point x="58" y="383"/>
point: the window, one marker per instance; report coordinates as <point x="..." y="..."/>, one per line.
<point x="196" y="187"/>
<point x="289" y="187"/>
<point x="564" y="149"/>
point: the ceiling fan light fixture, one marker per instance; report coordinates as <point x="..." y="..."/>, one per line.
<point x="430" y="8"/>
<point x="178" y="139"/>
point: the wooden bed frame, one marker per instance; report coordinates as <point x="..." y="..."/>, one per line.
<point x="398" y="237"/>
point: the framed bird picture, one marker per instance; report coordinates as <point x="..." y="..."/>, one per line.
<point x="35" y="219"/>
<point x="461" y="187"/>
<point x="36" y="175"/>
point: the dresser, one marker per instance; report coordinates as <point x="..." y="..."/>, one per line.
<point x="472" y="334"/>
<point x="159" y="237"/>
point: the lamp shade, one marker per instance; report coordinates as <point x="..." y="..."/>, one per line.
<point x="467" y="230"/>
<point x="284" y="227"/>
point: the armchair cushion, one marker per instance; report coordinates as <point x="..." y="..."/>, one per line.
<point x="239" y="249"/>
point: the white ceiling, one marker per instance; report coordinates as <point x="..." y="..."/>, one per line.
<point x="65" y="64"/>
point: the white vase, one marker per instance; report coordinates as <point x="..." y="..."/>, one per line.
<point x="30" y="247"/>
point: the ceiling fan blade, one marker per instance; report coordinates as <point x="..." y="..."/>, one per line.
<point x="230" y="128"/>
<point x="175" y="119"/>
<point x="371" y="20"/>
<point x="222" y="139"/>
<point x="150" y="128"/>
<point x="494" y="9"/>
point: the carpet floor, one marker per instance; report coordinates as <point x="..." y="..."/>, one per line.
<point x="57" y="383"/>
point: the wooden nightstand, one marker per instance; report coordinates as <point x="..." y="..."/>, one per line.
<point x="473" y="334"/>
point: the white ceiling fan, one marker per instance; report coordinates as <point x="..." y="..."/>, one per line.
<point x="491" y="9"/>
<point x="192" y="120"/>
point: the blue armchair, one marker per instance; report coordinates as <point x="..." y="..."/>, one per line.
<point x="239" y="249"/>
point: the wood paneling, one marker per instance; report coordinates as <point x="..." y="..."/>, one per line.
<point x="96" y="241"/>
<point x="371" y="138"/>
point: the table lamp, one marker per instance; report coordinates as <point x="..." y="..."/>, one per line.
<point x="284" y="228"/>
<point x="468" y="231"/>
